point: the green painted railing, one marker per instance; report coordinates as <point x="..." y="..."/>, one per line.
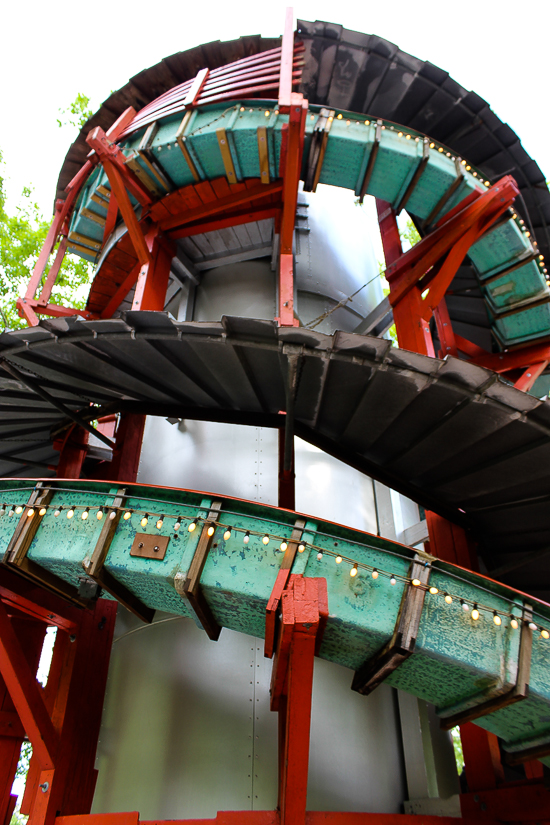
<point x="468" y="641"/>
<point x="400" y="156"/>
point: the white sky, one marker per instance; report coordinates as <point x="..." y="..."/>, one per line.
<point x="53" y="50"/>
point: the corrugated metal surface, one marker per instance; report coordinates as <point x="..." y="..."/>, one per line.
<point x="448" y="434"/>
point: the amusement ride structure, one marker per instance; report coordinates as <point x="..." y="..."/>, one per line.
<point x="212" y="194"/>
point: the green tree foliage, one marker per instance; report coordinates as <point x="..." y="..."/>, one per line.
<point x="77" y="114"/>
<point x="22" y="234"/>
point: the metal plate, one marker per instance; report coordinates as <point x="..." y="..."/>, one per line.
<point x="149" y="547"/>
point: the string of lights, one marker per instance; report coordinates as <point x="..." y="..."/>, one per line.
<point x="475" y="608"/>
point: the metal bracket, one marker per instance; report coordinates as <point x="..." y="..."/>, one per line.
<point x="372" y="161"/>
<point x="447" y="195"/>
<point x="516" y="694"/>
<point x="94" y="566"/>
<point x="403" y="641"/>
<point x="416" y="177"/>
<point x="317" y="149"/>
<point x="189" y="586"/>
<point x="146" y="546"/>
<point x="180" y="138"/>
<point x="227" y="158"/>
<point x="263" y="154"/>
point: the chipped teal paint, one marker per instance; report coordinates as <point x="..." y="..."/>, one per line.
<point x="457" y="661"/>
<point x="348" y="150"/>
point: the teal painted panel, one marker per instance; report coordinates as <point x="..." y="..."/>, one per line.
<point x="497" y="247"/>
<point x="524" y="326"/>
<point x="436" y="180"/>
<point x="448" y="634"/>
<point x="348" y="150"/>
<point x="522" y="284"/>
<point x="457" y="660"/>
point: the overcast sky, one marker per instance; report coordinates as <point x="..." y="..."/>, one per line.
<point x="52" y="51"/>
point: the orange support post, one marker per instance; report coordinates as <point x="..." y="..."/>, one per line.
<point x="125" y="463"/>
<point x="80" y="677"/>
<point x="152" y="281"/>
<point x="302" y="620"/>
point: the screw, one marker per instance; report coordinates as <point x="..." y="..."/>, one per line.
<point x="44" y="787"/>
<point x="72" y="638"/>
<point x="140" y="545"/>
<point x="156" y="549"/>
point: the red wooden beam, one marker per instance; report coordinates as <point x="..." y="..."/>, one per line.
<point x="152" y="281"/>
<point x="107" y="150"/>
<point x="118" y="188"/>
<point x="25" y="694"/>
<point x="534" y="371"/>
<point x="122" y="291"/>
<point x="291" y="179"/>
<point x="407" y="272"/>
<point x="445" y="330"/>
<point x="236" y="218"/>
<point x="220" y="205"/>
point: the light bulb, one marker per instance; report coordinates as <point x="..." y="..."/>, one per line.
<point x="284" y="546"/>
<point x="301" y="548"/>
<point x="85" y="514"/>
<point x="514" y="624"/>
<point x="160" y="522"/>
<point x="145" y="520"/>
<point x="338" y="559"/>
<point x="2" y="510"/>
<point x="266" y="113"/>
<point x="56" y="513"/>
<point x="416" y="582"/>
<point x="227" y="534"/>
<point x="353" y="571"/>
<point x="30" y="512"/>
<point x="434" y="591"/>
<point x="319" y="556"/>
<point x="112" y="514"/>
<point x="177" y="525"/>
<point x="127" y="515"/>
<point x="448" y="599"/>
<point x="12" y="512"/>
<point x="374" y="573"/>
<point x="496" y="618"/>
<point x="545" y="634"/>
<point x="464" y="606"/>
<point x="70" y="512"/>
<point x="42" y="511"/>
<point x="393" y="580"/>
<point x="211" y="530"/>
<point x="339" y="117"/>
<point x="532" y="626"/>
<point x="18" y="509"/>
<point x="475" y="613"/>
<point x="265" y="539"/>
<point x="192" y="526"/>
<point x="99" y="515"/>
<point x="246" y="538"/>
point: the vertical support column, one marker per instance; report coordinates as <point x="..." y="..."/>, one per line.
<point x="73" y="451"/>
<point x="303" y="616"/>
<point x="287" y="477"/>
<point x="69" y="788"/>
<point x="31" y="637"/>
<point x="481" y="758"/>
<point x="152" y="282"/>
<point x="291" y="165"/>
<point x="129" y="435"/>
